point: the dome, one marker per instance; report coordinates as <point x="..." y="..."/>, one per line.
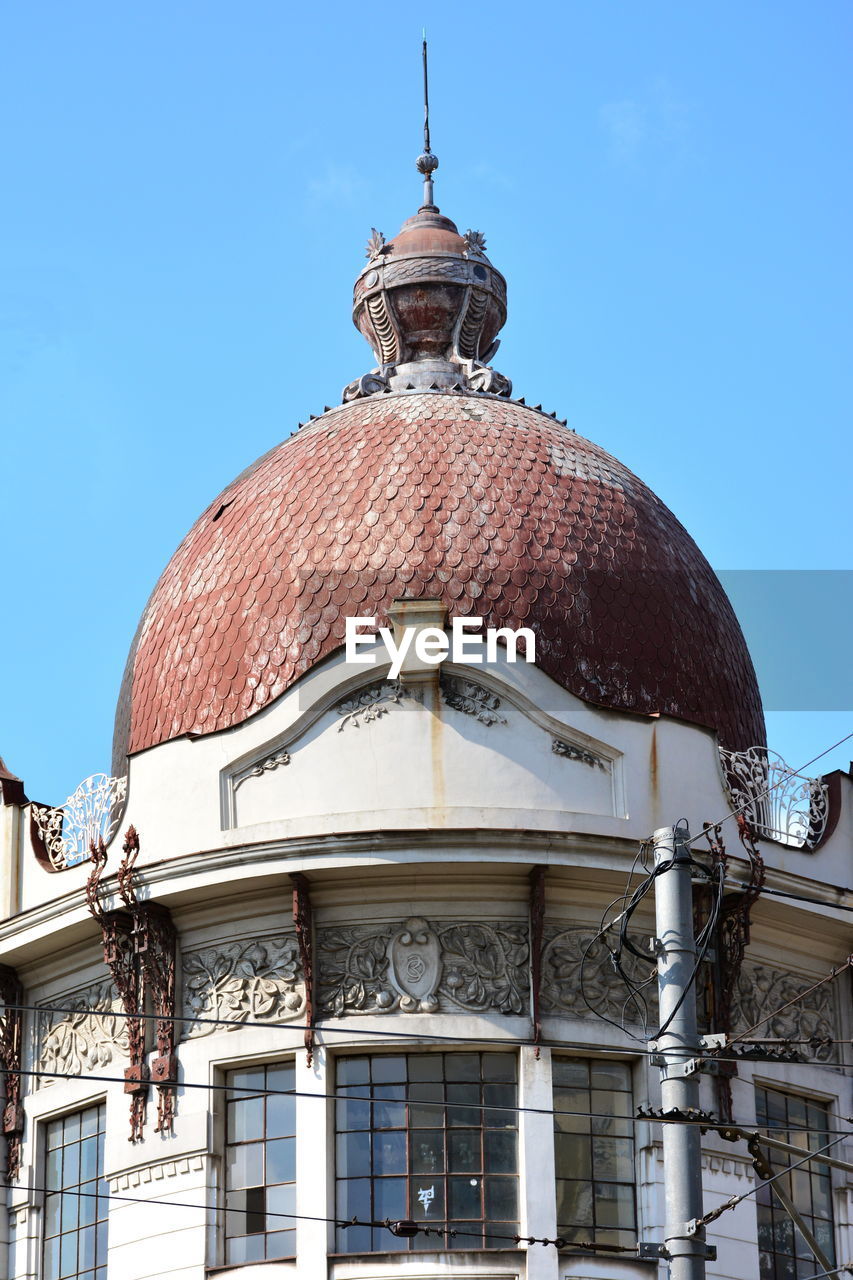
<point x="489" y="505"/>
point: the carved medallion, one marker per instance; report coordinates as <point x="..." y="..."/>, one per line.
<point x="414" y="964"/>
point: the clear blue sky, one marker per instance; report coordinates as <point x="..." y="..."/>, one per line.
<point x="187" y="192"/>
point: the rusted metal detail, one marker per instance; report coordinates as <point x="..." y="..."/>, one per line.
<point x="303" y="920"/>
<point x="98" y="857"/>
<point x="120" y="957"/>
<point x="124" y="875"/>
<point x="11" y="1040"/>
<point x="537" y="926"/>
<point x="155" y="941"/>
<point x="140" y="946"/>
<point x="730" y="943"/>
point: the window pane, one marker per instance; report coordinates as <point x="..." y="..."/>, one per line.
<point x="499" y="1095"/>
<point x="389" y="1152"/>
<point x="281" y="1205"/>
<point x="501" y="1198"/>
<point x="281" y="1160"/>
<point x="612" y="1076"/>
<point x="87" y="1248"/>
<point x="570" y="1073"/>
<point x="426" y="1115"/>
<point x="613" y="1158"/>
<point x="281" y="1116"/>
<point x="71" y="1164"/>
<point x="355" y="1114"/>
<point x="244" y="1166"/>
<point x="464" y="1197"/>
<point x="570" y="1111"/>
<point x="500" y="1151"/>
<point x="281" y="1244"/>
<point x="614" y="1205"/>
<point x="68" y="1254"/>
<point x="427" y="1200"/>
<point x="68" y="1213"/>
<point x="460" y="1114"/>
<point x="499" y="1066"/>
<point x="387" y="1114"/>
<point x="52" y="1206"/>
<point x="51" y="1259"/>
<point x="573" y="1155"/>
<point x="89" y="1159"/>
<point x="353" y="1155"/>
<point x="463" y="1151"/>
<point x="385" y="1069"/>
<point x="246" y="1082"/>
<point x="353" y="1071"/>
<point x="246" y="1120"/>
<point x="88" y="1204"/>
<point x="389" y="1197"/>
<point x="574" y="1204"/>
<point x="354" y="1198"/>
<point x="462" y="1066"/>
<point x="427" y="1150"/>
<point x="426" y="1066"/>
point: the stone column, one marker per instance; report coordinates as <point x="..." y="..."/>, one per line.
<point x="536" y="1166"/>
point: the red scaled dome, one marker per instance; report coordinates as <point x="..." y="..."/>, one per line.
<point x="490" y="506"/>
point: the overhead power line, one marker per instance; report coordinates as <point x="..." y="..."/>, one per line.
<point x="405" y="1228"/>
<point x="703" y="1121"/>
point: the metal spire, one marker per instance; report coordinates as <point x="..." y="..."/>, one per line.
<point x="427" y="163"/>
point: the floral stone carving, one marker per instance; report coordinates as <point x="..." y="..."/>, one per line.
<point x="258" y="980"/>
<point x="471" y="699"/>
<point x="371" y="703"/>
<point x="761" y="989"/>
<point x="84" y="1039"/>
<point x="474" y="967"/>
<point x="562" y="957"/>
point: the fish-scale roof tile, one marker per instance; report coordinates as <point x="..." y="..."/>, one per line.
<point x="489" y="505"/>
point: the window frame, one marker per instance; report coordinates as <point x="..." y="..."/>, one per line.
<point x="632" y="1066"/>
<point x="43" y="1123"/>
<point x="223" y="1070"/>
<point x="432" y="1244"/>
<point x="778" y="1159"/>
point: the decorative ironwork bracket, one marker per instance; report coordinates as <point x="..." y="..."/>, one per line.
<point x="11" y="1038"/>
<point x="140" y="946"/>
<point x="537" y="925"/>
<point x="303" y="921"/>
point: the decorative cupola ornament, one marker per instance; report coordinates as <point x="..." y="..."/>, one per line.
<point x="429" y="302"/>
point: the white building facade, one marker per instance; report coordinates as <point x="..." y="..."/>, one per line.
<point x="338" y="967"/>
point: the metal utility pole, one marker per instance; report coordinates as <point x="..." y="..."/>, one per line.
<point x="679" y="1048"/>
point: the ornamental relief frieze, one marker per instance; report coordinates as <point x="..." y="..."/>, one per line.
<point x="420" y="966"/>
<point x="92" y="1035"/>
<point x="256" y="980"/>
<point x="569" y="954"/>
<point x="761" y="989"/>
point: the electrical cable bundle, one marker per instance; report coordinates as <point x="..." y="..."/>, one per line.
<point x="614" y="935"/>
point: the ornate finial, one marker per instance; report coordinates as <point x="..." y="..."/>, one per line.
<point x="475" y="243"/>
<point x="427" y="163"/>
<point x="375" y="245"/>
